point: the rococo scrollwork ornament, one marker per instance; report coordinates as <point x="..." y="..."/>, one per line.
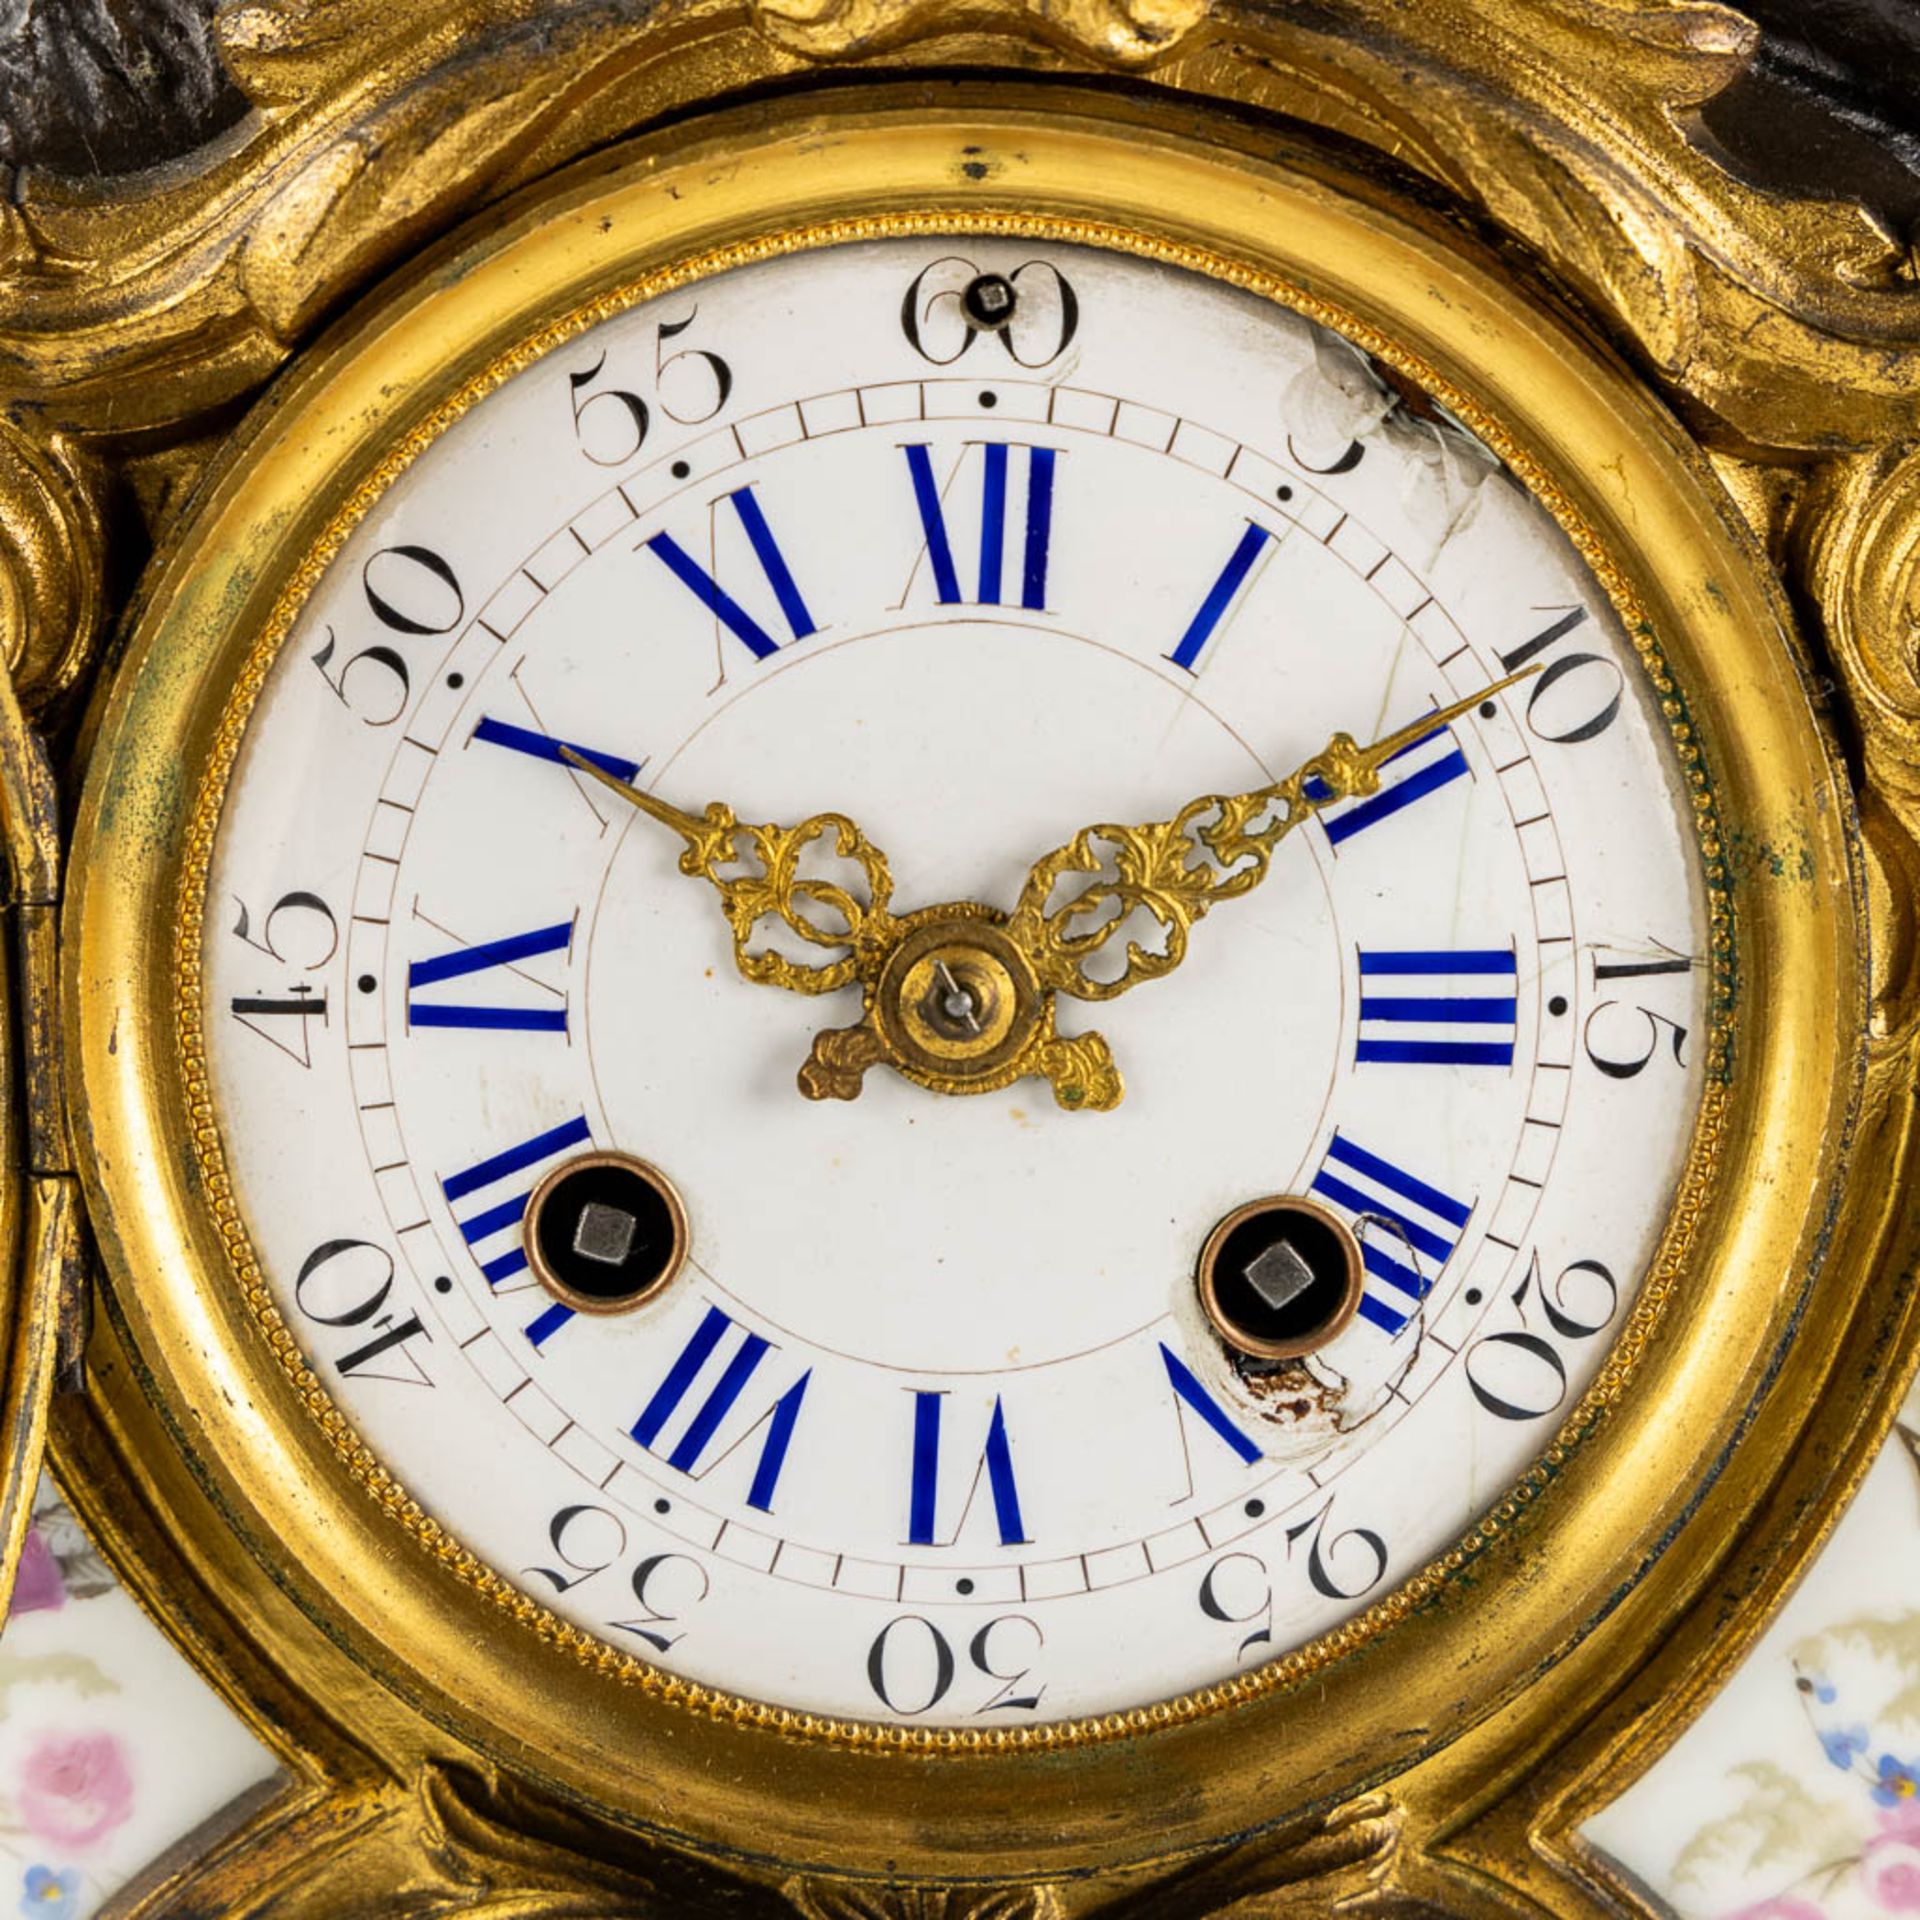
<point x="1761" y="360"/>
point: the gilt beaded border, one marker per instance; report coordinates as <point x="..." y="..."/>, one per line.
<point x="1285" y="1670"/>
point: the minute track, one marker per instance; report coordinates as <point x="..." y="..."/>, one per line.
<point x="879" y="1252"/>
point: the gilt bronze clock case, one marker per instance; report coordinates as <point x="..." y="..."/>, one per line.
<point x="1442" y="1745"/>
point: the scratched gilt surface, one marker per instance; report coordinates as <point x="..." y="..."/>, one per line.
<point x="112" y="1751"/>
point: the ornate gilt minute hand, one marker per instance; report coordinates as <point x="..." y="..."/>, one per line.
<point x="819" y="912"/>
<point x="1215" y="848"/>
<point x="960" y="998"/>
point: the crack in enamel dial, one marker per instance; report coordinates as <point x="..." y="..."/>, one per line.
<point x="930" y="1423"/>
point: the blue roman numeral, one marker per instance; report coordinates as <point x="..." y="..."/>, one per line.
<point x="1220" y="596"/>
<point x="499" y="1214"/>
<point x="720" y="1399"/>
<point x="996" y="1461"/>
<point x="544" y="746"/>
<point x="1180" y="1378"/>
<point x="1400" y="1220"/>
<point x="719" y="602"/>
<point x="990" y="583"/>
<point x="1412" y="774"/>
<point x="478" y="959"/>
<point x="1454" y="1007"/>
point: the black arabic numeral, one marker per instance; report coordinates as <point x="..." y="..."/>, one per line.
<point x="982" y="1652"/>
<point x="1519" y="1375"/>
<point x="930" y="1667"/>
<point x="1323" y="1574"/>
<point x="1641" y="969"/>
<point x="299" y="1004"/>
<point x="667" y="1595"/>
<point x="626" y="439"/>
<point x="1576" y="1320"/>
<point x="920" y="306"/>
<point x="714" y="369"/>
<point x="611" y="424"/>
<point x="1023" y="325"/>
<point x="385" y="696"/>
<point x="884" y="1677"/>
<point x="1343" y="462"/>
<point x="344" y="1295"/>
<point x="1567" y="701"/>
<point x="268" y="943"/>
<point x="573" y="1533"/>
<point x="1617" y="1020"/>
<point x="1627" y="1067"/>
<point x="1529" y="1377"/>
<point x="1042" y="326"/>
<point x="411" y="593"/>
<point x="302" y="1002"/>
<point x="348" y="1295"/>
<point x="1228" y="1594"/>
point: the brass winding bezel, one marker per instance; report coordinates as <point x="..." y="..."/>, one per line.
<point x="1207" y="1282"/>
<point x="283" y="1473"/>
<point x="669" y="1196"/>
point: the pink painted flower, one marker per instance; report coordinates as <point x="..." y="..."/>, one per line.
<point x="1890" y="1863"/>
<point x="37" y="1583"/>
<point x="75" y="1788"/>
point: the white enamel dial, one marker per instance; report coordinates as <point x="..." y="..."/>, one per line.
<point x="931" y="1426"/>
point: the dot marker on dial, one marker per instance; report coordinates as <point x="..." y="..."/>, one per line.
<point x="1280" y="1277"/>
<point x="605" y="1232"/>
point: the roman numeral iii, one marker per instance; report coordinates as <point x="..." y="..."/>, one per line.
<point x="1453" y="1007"/>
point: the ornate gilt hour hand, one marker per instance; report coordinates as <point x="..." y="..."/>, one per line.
<point x="1215" y="848"/>
<point x="959" y="998"/>
<point x="949" y="1002"/>
<point x="770" y="885"/>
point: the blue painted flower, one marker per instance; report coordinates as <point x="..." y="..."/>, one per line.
<point x="50" y="1895"/>
<point x="1844" y="1745"/>
<point x="1899" y="1782"/>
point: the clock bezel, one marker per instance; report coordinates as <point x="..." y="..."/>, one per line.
<point x="274" y="1459"/>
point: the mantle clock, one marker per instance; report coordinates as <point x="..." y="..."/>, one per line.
<point x="963" y="950"/>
